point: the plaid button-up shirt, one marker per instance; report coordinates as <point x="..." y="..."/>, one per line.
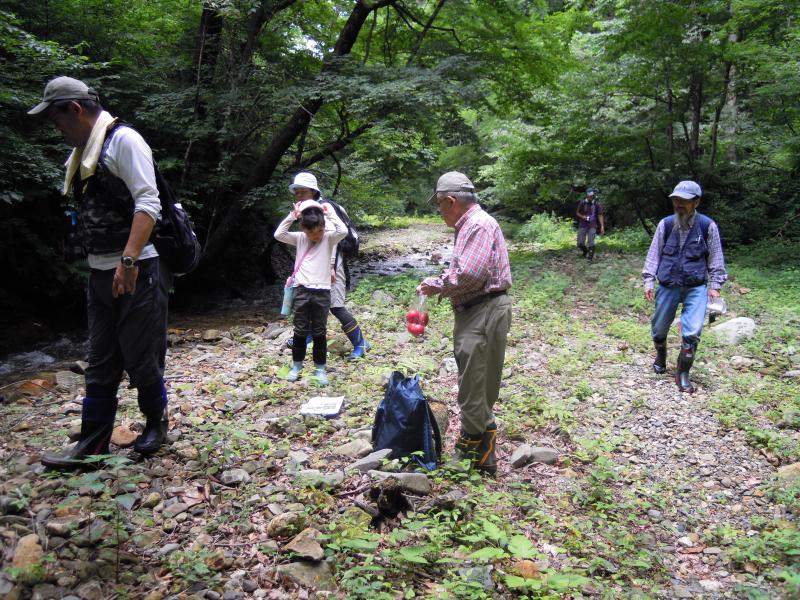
<point x="480" y="263"/>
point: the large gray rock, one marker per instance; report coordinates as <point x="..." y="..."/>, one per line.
<point x="526" y="454"/>
<point x="235" y="477"/>
<point x="370" y="462"/>
<point x="286" y="524"/>
<point x="416" y="483"/>
<point x="314" y="575"/>
<point x="548" y="456"/>
<point x="306" y="545"/>
<point x="357" y="448"/>
<point x="448" y="367"/>
<point x="317" y="479"/>
<point x="521" y="456"/>
<point x="734" y="331"/>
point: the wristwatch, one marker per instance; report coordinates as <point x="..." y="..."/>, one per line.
<point x="129" y="262"/>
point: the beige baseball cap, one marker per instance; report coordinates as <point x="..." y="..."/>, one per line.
<point x="64" y="88"/>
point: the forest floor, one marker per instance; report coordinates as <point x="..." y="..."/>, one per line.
<point x="643" y="492"/>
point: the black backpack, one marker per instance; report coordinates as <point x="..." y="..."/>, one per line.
<point x="349" y="245"/>
<point x="173" y="235"/>
<point x="405" y="423"/>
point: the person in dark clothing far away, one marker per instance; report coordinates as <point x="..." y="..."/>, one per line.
<point x="590" y="222"/>
<point x="686" y="258"/>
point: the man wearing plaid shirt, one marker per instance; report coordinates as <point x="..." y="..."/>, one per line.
<point x="686" y="258"/>
<point x="476" y="283"/>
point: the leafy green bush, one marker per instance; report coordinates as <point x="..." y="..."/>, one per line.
<point x="548" y="230"/>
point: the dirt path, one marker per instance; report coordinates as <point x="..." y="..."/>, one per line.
<point x="644" y="499"/>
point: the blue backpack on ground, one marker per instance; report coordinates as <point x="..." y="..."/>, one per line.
<point x="405" y="424"/>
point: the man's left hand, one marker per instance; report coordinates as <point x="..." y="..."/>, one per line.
<point x="713" y="293"/>
<point x="602" y="231"/>
<point x="124" y="281"/>
<point x="425" y="288"/>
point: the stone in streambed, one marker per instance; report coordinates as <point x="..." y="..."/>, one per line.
<point x="123" y="437"/>
<point x="305" y="544"/>
<point x="28" y="552"/>
<point x="314" y="575"/>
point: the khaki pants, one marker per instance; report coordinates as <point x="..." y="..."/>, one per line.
<point x="479" y="343"/>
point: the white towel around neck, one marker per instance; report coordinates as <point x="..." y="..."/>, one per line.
<point x="86" y="157"/>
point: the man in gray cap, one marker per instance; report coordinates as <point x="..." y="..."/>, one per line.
<point x="476" y="282"/>
<point x="686" y="258"/>
<point x="112" y="178"/>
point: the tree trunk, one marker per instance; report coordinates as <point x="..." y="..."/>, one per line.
<point x="265" y="166"/>
<point x="733" y="107"/>
<point x="696" y="105"/>
<point x="723" y="98"/>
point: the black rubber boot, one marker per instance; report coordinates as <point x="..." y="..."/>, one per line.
<point x="93" y="441"/>
<point x="685" y="361"/>
<point x="584" y="249"/>
<point x="660" y="363"/>
<point x="591" y="253"/>
<point x="154" y="434"/>
<point x="487" y="459"/>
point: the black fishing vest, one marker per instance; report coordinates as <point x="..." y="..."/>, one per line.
<point x="686" y="266"/>
<point x="106" y="207"/>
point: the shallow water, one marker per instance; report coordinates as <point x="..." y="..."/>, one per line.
<point x="205" y="313"/>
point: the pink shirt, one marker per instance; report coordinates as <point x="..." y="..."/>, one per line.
<point x="315" y="270"/>
<point x="480" y="263"/>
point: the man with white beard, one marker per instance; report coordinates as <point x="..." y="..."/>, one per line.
<point x="686" y="258"/>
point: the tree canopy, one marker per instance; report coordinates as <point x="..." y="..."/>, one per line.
<point x="534" y="99"/>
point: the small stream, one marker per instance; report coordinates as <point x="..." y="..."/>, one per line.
<point x="207" y="313"/>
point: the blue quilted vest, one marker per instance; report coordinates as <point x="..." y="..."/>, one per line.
<point x="687" y="266"/>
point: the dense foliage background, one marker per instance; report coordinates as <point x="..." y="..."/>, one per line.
<point x="535" y="99"/>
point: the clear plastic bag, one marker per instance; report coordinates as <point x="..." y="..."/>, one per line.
<point x="717" y="306"/>
<point x="417" y="316"/>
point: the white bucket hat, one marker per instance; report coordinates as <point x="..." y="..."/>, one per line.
<point x="304" y="180"/>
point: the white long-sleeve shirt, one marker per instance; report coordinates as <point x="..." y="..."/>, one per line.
<point x="315" y="270"/>
<point x="131" y="159"/>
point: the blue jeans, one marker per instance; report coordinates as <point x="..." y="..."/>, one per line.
<point x="693" y="313"/>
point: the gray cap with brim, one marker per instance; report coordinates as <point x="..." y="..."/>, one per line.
<point x="64" y="88"/>
<point x="452" y="181"/>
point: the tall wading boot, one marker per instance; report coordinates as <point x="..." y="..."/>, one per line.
<point x="685" y="361"/>
<point x="467" y="447"/>
<point x="360" y="345"/>
<point x="154" y="434"/>
<point x="660" y="363"/>
<point x="584" y="249"/>
<point x="590" y="256"/>
<point x="94" y="440"/>
<point x="487" y="459"/>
